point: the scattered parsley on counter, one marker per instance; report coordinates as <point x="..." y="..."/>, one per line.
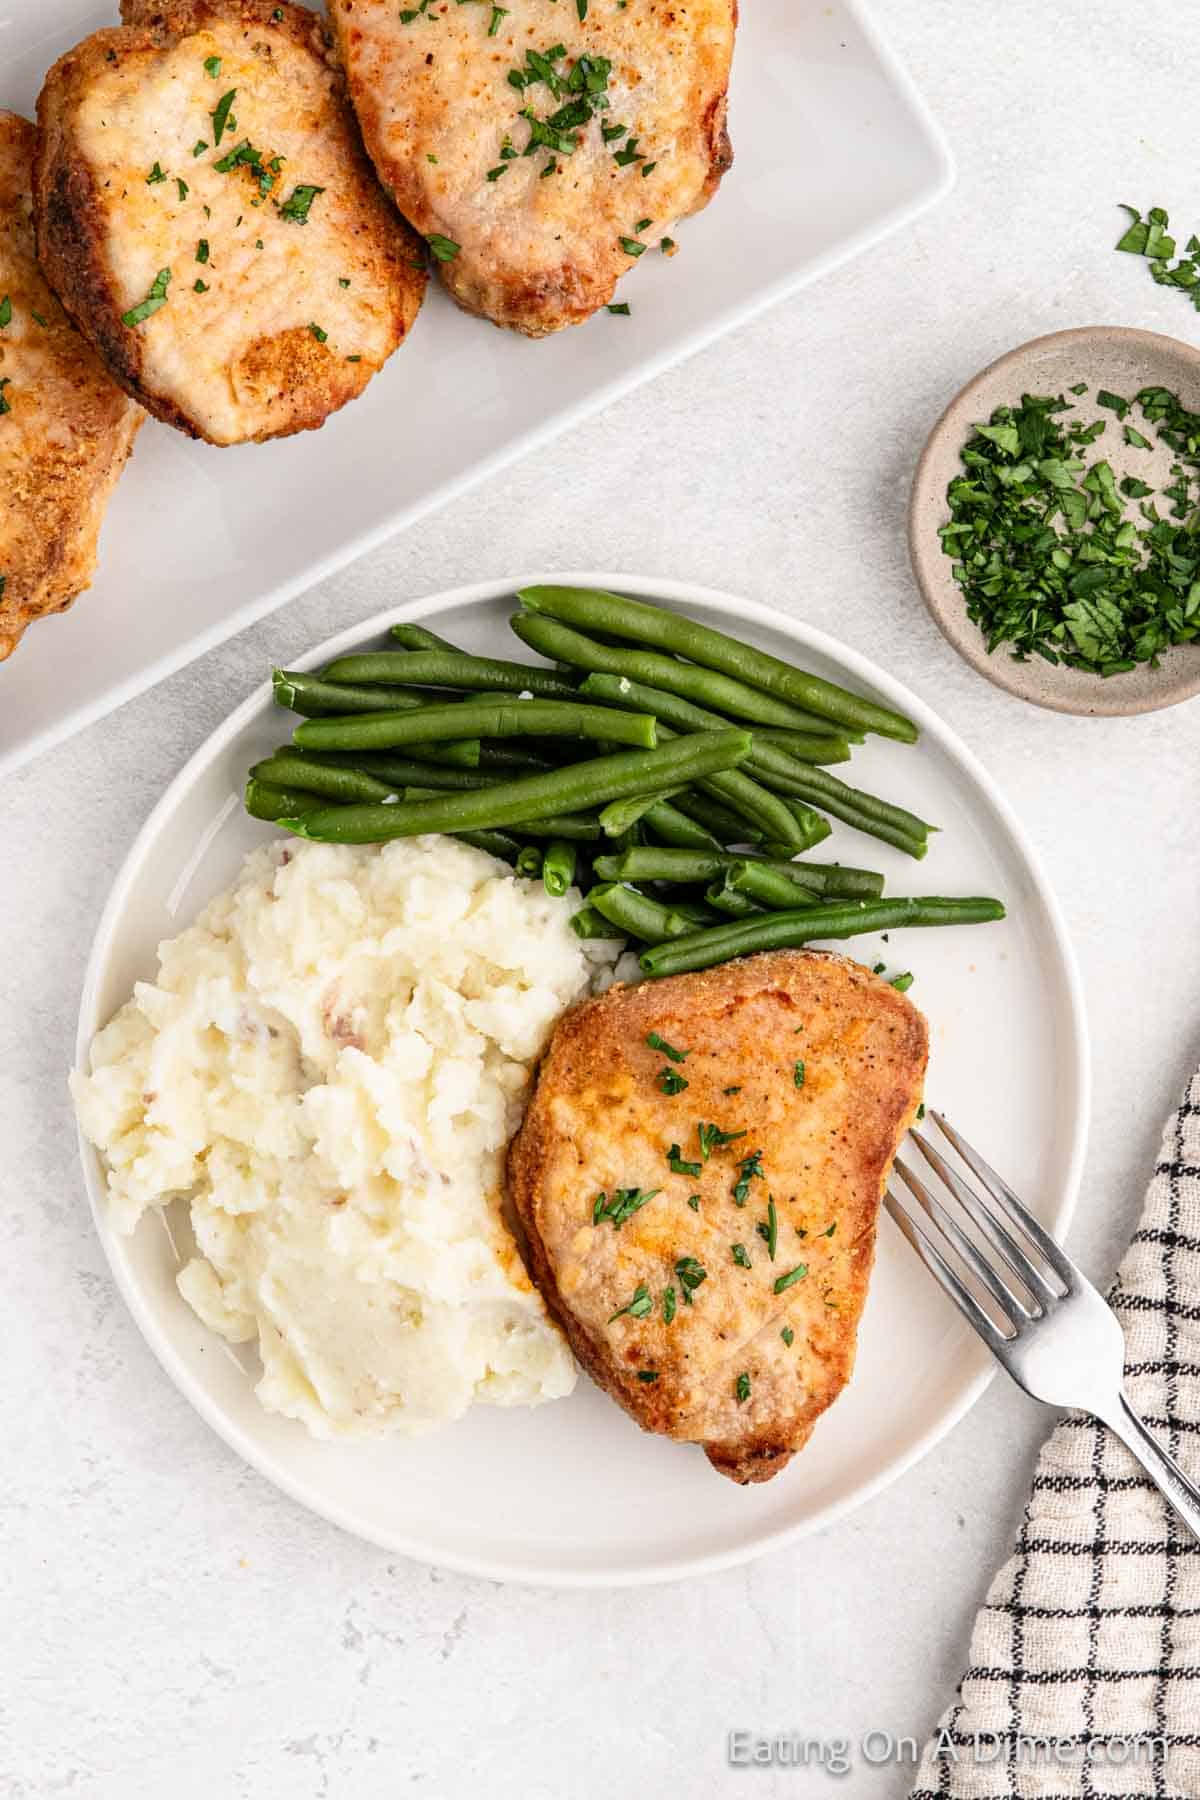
<point x="1149" y="237"/>
<point x="1050" y="562"/>
<point x="621" y="308"/>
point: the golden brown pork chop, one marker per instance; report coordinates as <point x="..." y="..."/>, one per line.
<point x="722" y="1311"/>
<point x="539" y="152"/>
<point x="65" y="428"/>
<point x="207" y="213"/>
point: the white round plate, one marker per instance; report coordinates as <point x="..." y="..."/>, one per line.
<point x="573" y="1494"/>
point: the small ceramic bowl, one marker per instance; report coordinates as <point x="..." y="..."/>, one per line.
<point x="1105" y="356"/>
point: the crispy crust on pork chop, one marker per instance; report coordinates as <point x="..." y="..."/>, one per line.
<point x="818" y="1065"/>
<point x="65" y="427"/>
<point x="540" y="236"/>
<point x="290" y="278"/>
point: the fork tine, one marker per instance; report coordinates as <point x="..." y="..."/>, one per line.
<point x="1006" y="1300"/>
<point x="922" y="1242"/>
<point x="977" y="1209"/>
<point x="1017" y="1212"/>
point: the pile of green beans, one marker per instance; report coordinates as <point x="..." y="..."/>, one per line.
<point x="671" y="775"/>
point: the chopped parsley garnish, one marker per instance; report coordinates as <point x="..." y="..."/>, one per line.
<point x="497" y="172"/>
<point x="199" y="287"/>
<point x="769" y="1232"/>
<point x="1150" y="237"/>
<point x="581" y="7"/>
<point x="789" y="1280"/>
<point x="244" y="155"/>
<point x="829" y="1230"/>
<point x="202" y="251"/>
<point x="624" y="1203"/>
<point x="182" y="187"/>
<point x="5" y="311"/>
<point x="414" y="12"/>
<point x="741" y="1255"/>
<point x="36" y="317"/>
<point x="921" y="1110"/>
<point x="498" y="13"/>
<point x="689" y="1273"/>
<point x="668" y="1305"/>
<point x="788" y="1336"/>
<point x="694" y="1202"/>
<point x="649" y="168"/>
<point x="3" y="585"/>
<point x="902" y="983"/>
<point x="670" y="1081"/>
<point x="155" y="176"/>
<point x="798" y="1074"/>
<point x="731" y="1090"/>
<point x="622" y="308"/>
<point x="741" y="1388"/>
<point x="343" y="280"/>
<point x="631" y="247"/>
<point x="713" y="1138"/>
<point x="610" y="133"/>
<point x="154" y="299"/>
<point x="660" y="1043"/>
<point x="5" y="405"/>
<point x="298" y="202"/>
<point x="220" y="115"/>
<point x="317" y="332"/>
<point x="1042" y="547"/>
<point x="641" y="224"/>
<point x="677" y="1165"/>
<point x="443" y="248"/>
<point x="638" y="1307"/>
<point x="647" y="1374"/>
<point x="628" y="153"/>
<point x="199" y="147"/>
<point x="749" y="1169"/>
<point x="212" y="66"/>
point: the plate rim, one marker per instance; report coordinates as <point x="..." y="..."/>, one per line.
<point x="923" y="198"/>
<point x="682" y="593"/>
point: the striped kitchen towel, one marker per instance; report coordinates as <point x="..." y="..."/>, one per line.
<point x="1084" y="1676"/>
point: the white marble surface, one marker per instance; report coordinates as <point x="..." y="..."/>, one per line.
<point x="173" y="1625"/>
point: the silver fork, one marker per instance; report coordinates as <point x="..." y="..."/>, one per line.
<point x="1046" y="1324"/>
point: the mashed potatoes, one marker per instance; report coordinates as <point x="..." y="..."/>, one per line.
<point x="329" y="1067"/>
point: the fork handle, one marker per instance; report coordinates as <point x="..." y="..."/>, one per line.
<point x="1162" y="1469"/>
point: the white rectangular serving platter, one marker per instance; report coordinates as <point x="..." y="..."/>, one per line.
<point x="834" y="149"/>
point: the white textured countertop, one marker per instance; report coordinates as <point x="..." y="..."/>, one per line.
<point x="173" y="1626"/>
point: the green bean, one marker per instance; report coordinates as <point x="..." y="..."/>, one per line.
<point x="512" y="756"/>
<point x="735" y="699"/>
<point x="763" y="809"/>
<point x="496" y="843"/>
<point x="667" y="823"/>
<point x="584" y="827"/>
<point x="618" y="690"/>
<point x="648" y="863"/>
<point x="313" y="696"/>
<point x="813" y="826"/>
<point x="579" y="786"/>
<point x="529" y="861"/>
<point x="726" y="825"/>
<point x="400" y="771"/>
<point x="804" y="746"/>
<point x="266" y="802"/>
<point x="449" y="669"/>
<point x="311" y="777"/>
<point x="472" y="718"/>
<point x="769" y="887"/>
<point x="588" y="923"/>
<point x="615" y="616"/>
<point x="637" y="915"/>
<point x="415" y="637"/>
<point x="786" y="930"/>
<point x="854" y="807"/>
<point x="558" y="869"/>
<point x="726" y="899"/>
<point x="623" y="815"/>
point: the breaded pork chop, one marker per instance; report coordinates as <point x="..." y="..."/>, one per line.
<point x="699" y="1174"/>
<point x="65" y="428"/>
<point x="538" y="152"/>
<point x="207" y="214"/>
